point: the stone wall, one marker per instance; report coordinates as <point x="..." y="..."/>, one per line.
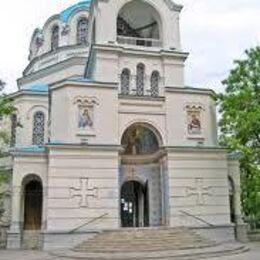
<point x="5" y="208"/>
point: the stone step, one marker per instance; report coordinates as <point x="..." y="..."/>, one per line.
<point x="115" y="238"/>
<point x="140" y="243"/>
<point x="188" y="254"/>
<point x="147" y="239"/>
<point x="144" y="240"/>
<point x="129" y="250"/>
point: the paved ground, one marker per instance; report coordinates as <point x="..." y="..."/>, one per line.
<point x="254" y="254"/>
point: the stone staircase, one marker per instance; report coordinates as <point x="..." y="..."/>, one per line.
<point x="149" y="244"/>
<point x="143" y="240"/>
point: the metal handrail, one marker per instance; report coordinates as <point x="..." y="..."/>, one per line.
<point x="89" y="222"/>
<point x="147" y="42"/>
<point x="197" y="218"/>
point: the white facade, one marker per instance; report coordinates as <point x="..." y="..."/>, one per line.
<point x="89" y="106"/>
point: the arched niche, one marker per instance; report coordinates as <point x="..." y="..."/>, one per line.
<point x="139" y="23"/>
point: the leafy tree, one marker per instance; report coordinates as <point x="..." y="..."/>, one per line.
<point x="240" y="125"/>
<point x="6" y="108"/>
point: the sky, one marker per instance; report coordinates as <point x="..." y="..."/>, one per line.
<point x="214" y="32"/>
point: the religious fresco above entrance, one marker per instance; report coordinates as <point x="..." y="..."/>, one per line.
<point x="139" y="140"/>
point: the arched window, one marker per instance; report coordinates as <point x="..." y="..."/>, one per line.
<point x="140" y="77"/>
<point x="38" y="128"/>
<point x="55" y="37"/>
<point x="125" y="82"/>
<point x="155" y="78"/>
<point x="82" y="31"/>
<point x="14" y="123"/>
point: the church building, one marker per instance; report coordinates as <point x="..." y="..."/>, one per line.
<point x="108" y="136"/>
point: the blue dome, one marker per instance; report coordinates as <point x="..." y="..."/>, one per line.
<point x="66" y="14"/>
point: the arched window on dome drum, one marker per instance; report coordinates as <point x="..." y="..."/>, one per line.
<point x="140" y="77"/>
<point x="125" y="82"/>
<point x="38" y="128"/>
<point x="55" y="38"/>
<point x="82" y="31"/>
<point x="155" y="78"/>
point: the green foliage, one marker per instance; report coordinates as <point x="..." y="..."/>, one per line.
<point x="4" y="178"/>
<point x="4" y="143"/>
<point x="240" y="125"/>
<point x="6" y="109"/>
<point x="6" y="106"/>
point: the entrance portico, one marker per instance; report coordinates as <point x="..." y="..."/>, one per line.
<point x="141" y="178"/>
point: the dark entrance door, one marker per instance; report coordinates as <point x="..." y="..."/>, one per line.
<point x="33" y="206"/>
<point x="134" y="205"/>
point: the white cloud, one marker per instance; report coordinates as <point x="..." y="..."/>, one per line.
<point x="214" y="31"/>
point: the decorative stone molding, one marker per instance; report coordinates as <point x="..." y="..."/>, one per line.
<point x="200" y="191"/>
<point x="173" y="6"/>
<point x="39" y="39"/>
<point x="65" y="29"/>
<point x="84" y="192"/>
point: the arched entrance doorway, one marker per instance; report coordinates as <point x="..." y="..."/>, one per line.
<point x="134" y="204"/>
<point x="33" y="198"/>
<point x="142" y="177"/>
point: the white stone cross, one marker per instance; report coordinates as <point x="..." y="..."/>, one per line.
<point x="200" y="191"/>
<point x="84" y="192"/>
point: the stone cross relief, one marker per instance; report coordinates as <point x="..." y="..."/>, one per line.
<point x="200" y="191"/>
<point x="84" y="192"/>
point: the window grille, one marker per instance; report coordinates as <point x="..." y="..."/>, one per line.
<point x="155" y="78"/>
<point x="140" y="76"/>
<point x="125" y="82"/>
<point x="38" y="128"/>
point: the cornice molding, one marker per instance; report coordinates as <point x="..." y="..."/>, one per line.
<point x="25" y="92"/>
<point x="91" y="147"/>
<point x="78" y="83"/>
<point x="155" y="52"/>
<point x="50" y="54"/>
<point x="196" y="149"/>
<point x="51" y="69"/>
<point x="189" y="90"/>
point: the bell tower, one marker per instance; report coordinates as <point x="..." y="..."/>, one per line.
<point x="126" y="34"/>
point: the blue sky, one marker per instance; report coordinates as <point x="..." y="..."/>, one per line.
<point x="215" y="32"/>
